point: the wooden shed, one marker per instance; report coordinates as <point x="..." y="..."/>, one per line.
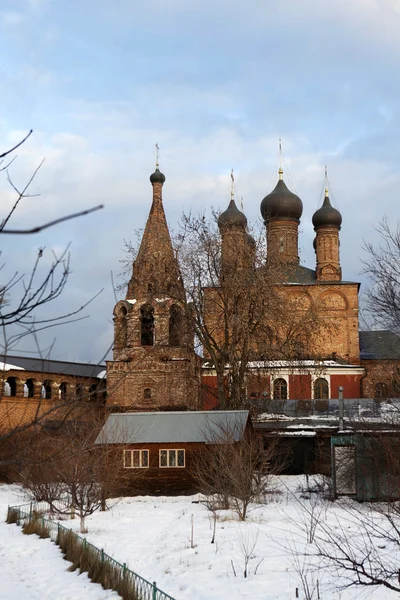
<point x="158" y="449"/>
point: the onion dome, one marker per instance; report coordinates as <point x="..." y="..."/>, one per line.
<point x="251" y="241"/>
<point x="281" y="203"/>
<point x="232" y="216"/>
<point x="157" y="176"/>
<point x="314" y="244"/>
<point x="327" y="215"/>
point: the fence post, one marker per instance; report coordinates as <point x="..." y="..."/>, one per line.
<point x="84" y="543"/>
<point x="124" y="570"/>
<point x="19" y="518"/>
<point x="30" y="511"/>
<point x="154" y="591"/>
<point x="102" y="555"/>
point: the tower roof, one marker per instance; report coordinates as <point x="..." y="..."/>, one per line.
<point x="232" y="216"/>
<point x="156" y="270"/>
<point x="327" y="215"/>
<point x="281" y="203"/>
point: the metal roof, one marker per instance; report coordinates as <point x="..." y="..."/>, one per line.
<point x="379" y="345"/>
<point x="179" y="427"/>
<point x="29" y="363"/>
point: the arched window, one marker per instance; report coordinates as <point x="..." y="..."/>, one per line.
<point x="47" y="389"/>
<point x="280" y="389"/>
<point x="381" y="390"/>
<point x="321" y="389"/>
<point x="93" y="392"/>
<point x="147" y="394"/>
<point x="12" y="382"/>
<point x="63" y="390"/>
<point x="147" y="325"/>
<point x="175" y="326"/>
<point x="121" y="329"/>
<point x="30" y="386"/>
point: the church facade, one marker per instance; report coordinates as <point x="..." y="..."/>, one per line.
<point x="155" y="367"/>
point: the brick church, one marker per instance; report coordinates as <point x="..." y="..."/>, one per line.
<point x="155" y="366"/>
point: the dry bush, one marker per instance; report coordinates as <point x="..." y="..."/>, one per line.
<point x="234" y="474"/>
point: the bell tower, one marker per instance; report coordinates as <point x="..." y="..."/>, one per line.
<point x="327" y="221"/>
<point x="155" y="366"/>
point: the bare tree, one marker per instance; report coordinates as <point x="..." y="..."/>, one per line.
<point x="239" y="306"/>
<point x="24" y="297"/>
<point x="70" y="472"/>
<point x="361" y="541"/>
<point x="382" y="264"/>
<point x="234" y="471"/>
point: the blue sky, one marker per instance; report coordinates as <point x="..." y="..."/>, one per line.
<point x="216" y="84"/>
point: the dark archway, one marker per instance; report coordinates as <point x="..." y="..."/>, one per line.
<point x="12" y="383"/>
<point x="30" y="386"/>
<point x="63" y="390"/>
<point x="175" y="326"/>
<point x="47" y="389"/>
<point x="381" y="390"/>
<point x="147" y="325"/>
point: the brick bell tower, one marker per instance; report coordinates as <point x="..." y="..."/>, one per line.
<point x="155" y="366"/>
<point x="327" y="221"/>
<point x="281" y="211"/>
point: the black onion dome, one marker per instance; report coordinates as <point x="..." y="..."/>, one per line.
<point x="157" y="176"/>
<point x="281" y="203"/>
<point x="327" y="215"/>
<point x="232" y="216"/>
<point x="251" y="241"/>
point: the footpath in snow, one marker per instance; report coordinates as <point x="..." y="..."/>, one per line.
<point x="34" y="569"/>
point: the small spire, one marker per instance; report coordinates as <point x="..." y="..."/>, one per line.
<point x="157" y="156"/>
<point x="232" y="185"/>
<point x="326" y="183"/>
<point x="280" y="171"/>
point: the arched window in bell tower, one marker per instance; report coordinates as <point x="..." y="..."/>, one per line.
<point x="175" y="326"/>
<point x="121" y="333"/>
<point x="147" y="325"/>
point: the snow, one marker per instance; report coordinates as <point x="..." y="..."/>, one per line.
<point x="7" y="367"/>
<point x="131" y="301"/>
<point x="153" y="536"/>
<point x="102" y="375"/>
<point x="34" y="569"/>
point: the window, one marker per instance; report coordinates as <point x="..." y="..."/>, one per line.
<point x="381" y="390"/>
<point x="280" y="389"/>
<point x="147" y="325"/>
<point x="321" y="389"/>
<point x="136" y="459"/>
<point x="172" y="458"/>
<point x="147" y="394"/>
<point x="12" y="386"/>
<point x="121" y="328"/>
<point x="30" y="388"/>
<point x="62" y="390"/>
<point x="47" y="390"/>
<point x="175" y="325"/>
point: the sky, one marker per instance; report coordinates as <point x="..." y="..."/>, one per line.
<point x="216" y="84"/>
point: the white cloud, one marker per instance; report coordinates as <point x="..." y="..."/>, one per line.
<point x="11" y="18"/>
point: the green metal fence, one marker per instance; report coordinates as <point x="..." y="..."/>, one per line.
<point x="101" y="567"/>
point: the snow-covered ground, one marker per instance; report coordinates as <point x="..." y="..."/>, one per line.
<point x="153" y="536"/>
<point x="34" y="569"/>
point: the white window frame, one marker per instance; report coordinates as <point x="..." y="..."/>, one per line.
<point x="314" y="379"/>
<point x="141" y="461"/>
<point x="272" y="383"/>
<point x="170" y="450"/>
